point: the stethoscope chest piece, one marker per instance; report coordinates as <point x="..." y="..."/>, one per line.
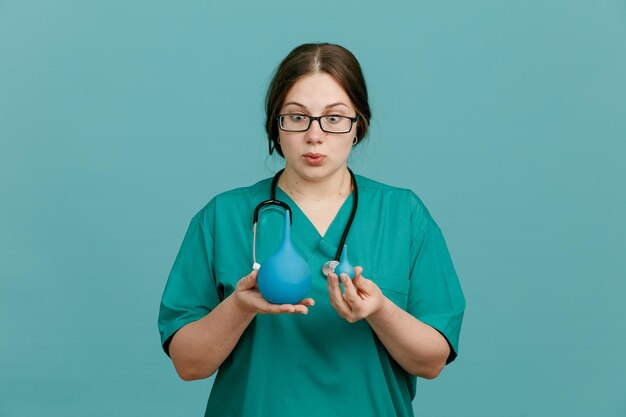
<point x="329" y="267"/>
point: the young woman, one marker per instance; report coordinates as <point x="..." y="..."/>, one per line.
<point x="352" y="347"/>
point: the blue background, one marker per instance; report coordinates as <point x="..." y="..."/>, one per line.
<point x="119" y="120"/>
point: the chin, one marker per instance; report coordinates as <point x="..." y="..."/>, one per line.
<point x="313" y="175"/>
<point x="316" y="173"/>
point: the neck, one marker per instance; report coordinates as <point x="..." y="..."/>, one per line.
<point x="338" y="185"/>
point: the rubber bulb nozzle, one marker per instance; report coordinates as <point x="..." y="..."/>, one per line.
<point x="345" y="267"/>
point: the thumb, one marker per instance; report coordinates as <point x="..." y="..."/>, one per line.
<point x="357" y="275"/>
<point x="248" y="282"/>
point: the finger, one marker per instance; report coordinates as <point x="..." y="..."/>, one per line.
<point x="367" y="286"/>
<point x="248" y="282"/>
<point x="363" y="284"/>
<point x="336" y="297"/>
<point x="350" y="294"/>
<point x="269" y="308"/>
<point x="295" y="308"/>
<point x="357" y="275"/>
<point x="301" y="309"/>
<point x="334" y="290"/>
<point x="256" y="300"/>
<point x="307" y="302"/>
<point x="284" y="308"/>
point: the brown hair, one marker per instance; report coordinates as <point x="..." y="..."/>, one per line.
<point x="332" y="59"/>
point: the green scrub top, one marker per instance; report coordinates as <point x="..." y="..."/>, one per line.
<point x="316" y="364"/>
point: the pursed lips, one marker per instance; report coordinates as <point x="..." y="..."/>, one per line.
<point x="314" y="158"/>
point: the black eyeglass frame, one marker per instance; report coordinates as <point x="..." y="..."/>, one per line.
<point x="353" y="120"/>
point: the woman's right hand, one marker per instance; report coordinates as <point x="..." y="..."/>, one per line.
<point x="248" y="297"/>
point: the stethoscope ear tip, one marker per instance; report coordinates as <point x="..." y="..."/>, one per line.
<point x="256" y="266"/>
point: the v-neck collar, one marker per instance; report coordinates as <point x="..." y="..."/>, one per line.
<point x="306" y="237"/>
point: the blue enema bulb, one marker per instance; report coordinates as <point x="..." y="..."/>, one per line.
<point x="345" y="267"/>
<point x="284" y="277"/>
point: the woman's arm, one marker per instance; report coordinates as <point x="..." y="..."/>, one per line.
<point x="199" y="348"/>
<point x="418" y="348"/>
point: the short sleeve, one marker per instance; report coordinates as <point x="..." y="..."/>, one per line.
<point x="435" y="294"/>
<point x="191" y="291"/>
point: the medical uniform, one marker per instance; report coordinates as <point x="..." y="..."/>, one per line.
<point x="316" y="364"/>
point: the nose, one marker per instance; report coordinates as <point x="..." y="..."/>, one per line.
<point x="315" y="132"/>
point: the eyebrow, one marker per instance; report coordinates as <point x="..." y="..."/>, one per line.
<point x="339" y="103"/>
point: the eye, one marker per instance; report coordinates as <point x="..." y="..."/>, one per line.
<point x="333" y="119"/>
<point x="297" y="117"/>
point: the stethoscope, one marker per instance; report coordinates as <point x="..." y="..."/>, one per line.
<point x="329" y="266"/>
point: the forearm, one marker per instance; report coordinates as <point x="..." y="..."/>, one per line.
<point x="417" y="347"/>
<point x="199" y="348"/>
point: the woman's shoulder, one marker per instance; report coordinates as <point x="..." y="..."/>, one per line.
<point x="370" y="186"/>
<point x="401" y="200"/>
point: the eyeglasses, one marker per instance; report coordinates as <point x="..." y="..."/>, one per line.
<point x="329" y="124"/>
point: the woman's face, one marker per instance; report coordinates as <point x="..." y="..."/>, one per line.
<point x="315" y="155"/>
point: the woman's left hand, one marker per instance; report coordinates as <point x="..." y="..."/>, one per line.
<point x="360" y="299"/>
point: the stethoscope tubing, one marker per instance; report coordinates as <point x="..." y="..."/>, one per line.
<point x="255" y="219"/>
<point x="274" y="201"/>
